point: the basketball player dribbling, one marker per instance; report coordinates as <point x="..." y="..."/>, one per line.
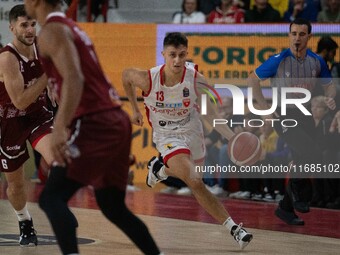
<point x="171" y="99"/>
<point x="91" y="136"/>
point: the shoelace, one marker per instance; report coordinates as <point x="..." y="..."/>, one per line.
<point x="237" y="231"/>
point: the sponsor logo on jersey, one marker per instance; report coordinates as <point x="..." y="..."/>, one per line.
<point x="181" y="122"/>
<point x="186" y="92"/>
<point x="173" y="105"/>
<point x="186" y="102"/>
<point x="170" y="112"/>
<point x="158" y="104"/>
<point x="13" y="148"/>
<point x="162" y="123"/>
<point x="169" y="146"/>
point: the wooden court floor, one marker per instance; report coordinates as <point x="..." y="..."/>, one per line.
<point x="178" y="225"/>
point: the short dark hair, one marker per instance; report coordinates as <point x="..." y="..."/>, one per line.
<point x="198" y="6"/>
<point x="300" y="21"/>
<point x="326" y="42"/>
<point x="55" y="2"/>
<point x="175" y="39"/>
<point x="17" y="11"/>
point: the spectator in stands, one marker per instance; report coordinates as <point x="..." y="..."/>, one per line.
<point x="226" y="13"/>
<point x="217" y="148"/>
<point x="244" y="4"/>
<point x="306" y="9"/>
<point x="274" y="152"/>
<point x="327" y="49"/>
<point x="262" y="12"/>
<point x="331" y="14"/>
<point x="189" y="13"/>
<point x="324" y="189"/>
<point x="248" y="188"/>
<point x="206" y="6"/>
<point x="280" y="5"/>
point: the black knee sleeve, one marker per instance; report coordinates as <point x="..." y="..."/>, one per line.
<point x="112" y="203"/>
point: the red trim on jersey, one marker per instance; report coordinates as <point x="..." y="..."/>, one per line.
<point x="150" y="81"/>
<point x="37" y="140"/>
<point x="161" y="75"/>
<point x="174" y="153"/>
<point x="195" y="87"/>
<point x="147" y="112"/>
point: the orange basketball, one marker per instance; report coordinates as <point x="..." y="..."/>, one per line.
<point x="244" y="149"/>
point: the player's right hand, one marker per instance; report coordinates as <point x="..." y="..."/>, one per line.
<point x="137" y="119"/>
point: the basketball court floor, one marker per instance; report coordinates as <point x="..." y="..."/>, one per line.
<point x="178" y="225"/>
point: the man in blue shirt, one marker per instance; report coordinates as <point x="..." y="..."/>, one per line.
<point x="296" y="67"/>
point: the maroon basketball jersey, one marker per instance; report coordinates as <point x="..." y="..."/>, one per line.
<point x="30" y="71"/>
<point x="98" y="93"/>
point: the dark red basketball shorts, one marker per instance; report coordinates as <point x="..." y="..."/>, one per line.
<point x="14" y="133"/>
<point x="103" y="142"/>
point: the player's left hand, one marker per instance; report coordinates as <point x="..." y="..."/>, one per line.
<point x="330" y="102"/>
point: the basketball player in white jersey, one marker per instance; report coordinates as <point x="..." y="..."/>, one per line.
<point x="170" y="98"/>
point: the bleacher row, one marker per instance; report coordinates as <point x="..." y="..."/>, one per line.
<point x="162" y="11"/>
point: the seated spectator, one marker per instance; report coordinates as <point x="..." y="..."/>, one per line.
<point x="207" y="6"/>
<point x="226" y="13"/>
<point x="249" y="188"/>
<point x="262" y="12"/>
<point x="244" y="4"/>
<point x="189" y="13"/>
<point x="324" y="189"/>
<point x="331" y="13"/>
<point x="274" y="152"/>
<point x="214" y="142"/>
<point x="280" y="5"/>
<point x="306" y="9"/>
<point x="327" y="49"/>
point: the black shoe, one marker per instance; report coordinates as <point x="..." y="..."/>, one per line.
<point x="289" y="217"/>
<point x="28" y="235"/>
<point x="298" y="204"/>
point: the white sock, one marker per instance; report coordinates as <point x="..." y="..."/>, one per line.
<point x="161" y="173"/>
<point x="23" y="214"/>
<point x="229" y="223"/>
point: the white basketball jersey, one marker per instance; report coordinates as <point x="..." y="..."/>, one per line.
<point x="172" y="109"/>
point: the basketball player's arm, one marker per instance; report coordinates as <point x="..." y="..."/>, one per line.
<point x="56" y="43"/>
<point x="212" y="113"/>
<point x="20" y="96"/>
<point x="132" y="78"/>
